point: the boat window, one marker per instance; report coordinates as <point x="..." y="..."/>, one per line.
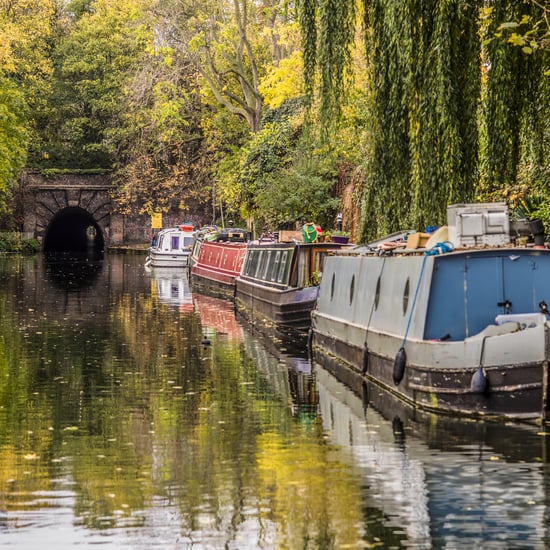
<point x="275" y="271"/>
<point x="266" y="265"/>
<point x="284" y="267"/>
<point x="319" y="260"/>
<point x="351" y="289"/>
<point x="277" y="257"/>
<point x="187" y="242"/>
<point x="377" y="293"/>
<point x="251" y="264"/>
<point x="332" y="286"/>
<point x="260" y="256"/>
<point x="406" y="296"/>
<point x="258" y="263"/>
<point x="175" y="242"/>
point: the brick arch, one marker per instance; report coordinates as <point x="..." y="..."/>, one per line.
<point x="44" y="198"/>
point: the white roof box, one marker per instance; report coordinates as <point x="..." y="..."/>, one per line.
<point x="478" y="224"/>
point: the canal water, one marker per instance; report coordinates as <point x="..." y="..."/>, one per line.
<point x="137" y="414"/>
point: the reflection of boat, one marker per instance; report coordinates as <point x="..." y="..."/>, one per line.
<point x="442" y="482"/>
<point x="279" y="281"/>
<point x="172" y="287"/>
<point x="171" y="247"/>
<point x="459" y="331"/>
<point x="218" y="315"/>
<point x="219" y="263"/>
<point x="288" y="372"/>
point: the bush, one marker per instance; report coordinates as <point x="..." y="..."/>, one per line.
<point x="30" y="246"/>
<point x="11" y="241"/>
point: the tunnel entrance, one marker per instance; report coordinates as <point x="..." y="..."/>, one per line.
<point x="74" y="230"/>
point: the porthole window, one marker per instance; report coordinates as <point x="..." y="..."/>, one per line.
<point x="351" y="289"/>
<point x="332" y="286"/>
<point x="406" y="296"/>
<point x="377" y="293"/>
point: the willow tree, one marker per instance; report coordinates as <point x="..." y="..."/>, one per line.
<point x="423" y="57"/>
<point x="516" y="108"/>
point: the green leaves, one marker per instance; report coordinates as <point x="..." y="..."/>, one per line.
<point x="328" y="28"/>
<point x="13" y="138"/>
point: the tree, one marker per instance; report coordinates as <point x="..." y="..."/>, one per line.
<point x="159" y="141"/>
<point x="13" y="139"/>
<point x="231" y="43"/>
<point x="93" y="63"/>
<point x="26" y="30"/>
<point x="516" y="104"/>
<point x="423" y="88"/>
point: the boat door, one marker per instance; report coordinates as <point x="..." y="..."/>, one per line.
<point x="468" y="291"/>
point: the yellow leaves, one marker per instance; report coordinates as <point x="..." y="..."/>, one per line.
<point x="25" y="32"/>
<point x="284" y="81"/>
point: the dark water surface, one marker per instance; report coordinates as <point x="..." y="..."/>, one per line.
<point x="136" y="414"/>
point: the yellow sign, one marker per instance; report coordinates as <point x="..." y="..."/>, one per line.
<point x="156" y="220"/>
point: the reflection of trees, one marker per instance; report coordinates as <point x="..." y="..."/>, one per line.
<point x="132" y="407"/>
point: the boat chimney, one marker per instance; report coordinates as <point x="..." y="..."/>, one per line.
<point x="537" y="230"/>
<point x="339" y="219"/>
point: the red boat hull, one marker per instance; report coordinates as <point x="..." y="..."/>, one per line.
<point x="218" y="265"/>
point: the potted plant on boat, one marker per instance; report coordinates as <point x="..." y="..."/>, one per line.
<point x="340" y="237"/>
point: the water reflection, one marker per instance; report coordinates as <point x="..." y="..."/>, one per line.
<point x="119" y="427"/>
<point x="70" y="273"/>
<point x="217" y="316"/>
<point x="172" y="287"/>
<point x="445" y="483"/>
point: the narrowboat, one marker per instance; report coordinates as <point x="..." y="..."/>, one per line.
<point x="279" y="281"/>
<point x="206" y="233"/>
<point x="219" y="262"/>
<point x="171" y="247"/>
<point x="455" y="322"/>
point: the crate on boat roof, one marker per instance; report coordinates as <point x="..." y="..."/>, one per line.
<point x="478" y="224"/>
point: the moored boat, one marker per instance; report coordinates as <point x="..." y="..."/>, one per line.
<point x="219" y="262"/>
<point x="171" y="247"/>
<point x="201" y="235"/>
<point x="458" y="324"/>
<point x="279" y="281"/>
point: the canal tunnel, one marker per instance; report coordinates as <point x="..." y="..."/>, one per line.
<point x="73" y="230"/>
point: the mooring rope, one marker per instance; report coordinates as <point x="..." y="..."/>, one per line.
<point x="414" y="299"/>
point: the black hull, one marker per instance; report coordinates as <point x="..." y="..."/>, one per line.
<point x="212" y="288"/>
<point x="511" y="392"/>
<point x="289" y="309"/>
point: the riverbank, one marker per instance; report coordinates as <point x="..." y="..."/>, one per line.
<point x="139" y="248"/>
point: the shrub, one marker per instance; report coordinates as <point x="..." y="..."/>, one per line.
<point x="11" y="241"/>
